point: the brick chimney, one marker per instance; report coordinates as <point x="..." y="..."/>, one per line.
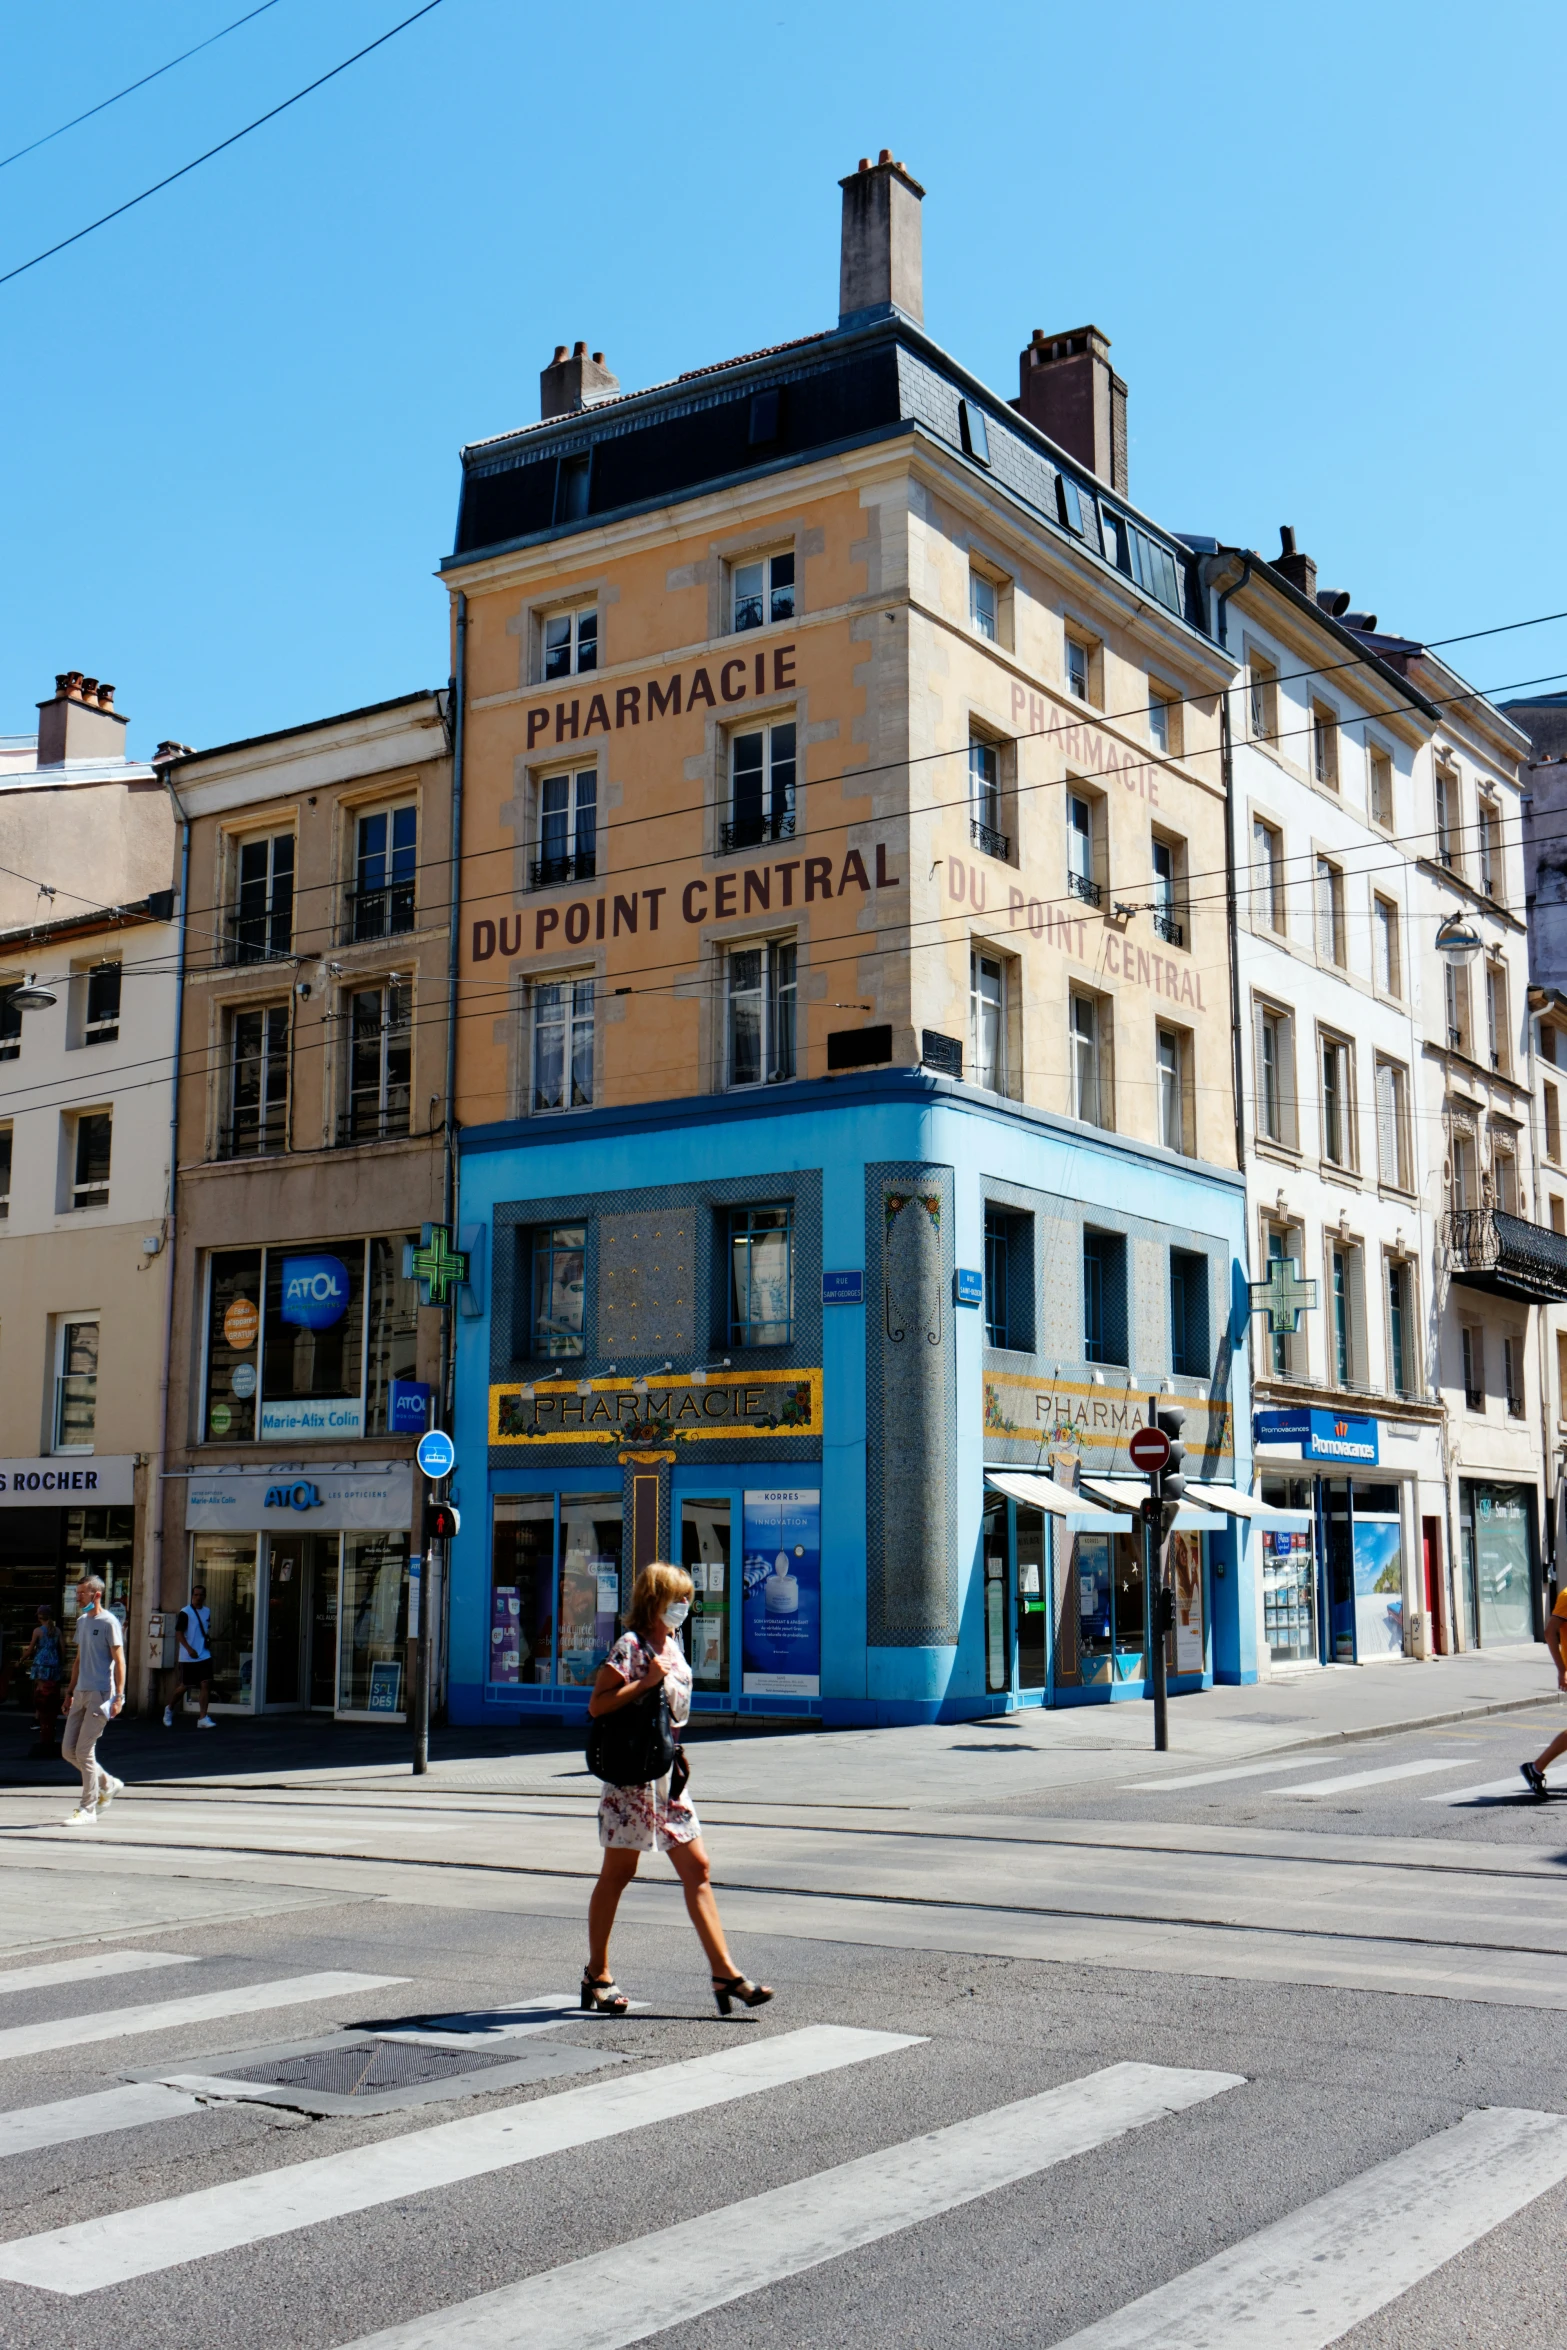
<point x="881" y="267"/>
<point x="1067" y="386"/>
<point x="1298" y="569"/>
<point x="574" y="381"/>
<point x="80" y="722"/>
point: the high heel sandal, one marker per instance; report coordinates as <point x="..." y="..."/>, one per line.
<point x="604" y="1997"/>
<point x="728" y="1987"/>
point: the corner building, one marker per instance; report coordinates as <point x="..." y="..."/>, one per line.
<point x="845" y="1029"/>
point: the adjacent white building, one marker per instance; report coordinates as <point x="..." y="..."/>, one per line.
<point x="1384" y="1104"/>
<point x="89" y="948"/>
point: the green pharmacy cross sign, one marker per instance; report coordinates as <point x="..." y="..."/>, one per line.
<point x="439" y="1267"/>
<point x="1283" y="1297"/>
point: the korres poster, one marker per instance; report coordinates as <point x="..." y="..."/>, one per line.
<point x="781" y="1610"/>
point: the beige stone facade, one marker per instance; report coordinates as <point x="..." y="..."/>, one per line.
<point x="311" y="1149"/>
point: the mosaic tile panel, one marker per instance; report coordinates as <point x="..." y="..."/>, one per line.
<point x="647" y="1283"/>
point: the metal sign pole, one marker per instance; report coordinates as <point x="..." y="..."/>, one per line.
<point x="421" y="1707"/>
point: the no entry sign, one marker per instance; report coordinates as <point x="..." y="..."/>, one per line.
<point x="1149" y="1450"/>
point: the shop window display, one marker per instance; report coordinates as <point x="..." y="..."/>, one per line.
<point x="373" y="1624"/>
<point x="227" y="1565"/>
<point x="1110" y="1585"/>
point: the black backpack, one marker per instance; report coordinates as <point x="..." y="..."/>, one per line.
<point x="634" y="1744"/>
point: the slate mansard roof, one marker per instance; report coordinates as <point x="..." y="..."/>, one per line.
<point x="788" y="406"/>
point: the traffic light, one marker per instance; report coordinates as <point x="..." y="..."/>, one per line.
<point x="442" y="1521"/>
<point x="1172" y="1479"/>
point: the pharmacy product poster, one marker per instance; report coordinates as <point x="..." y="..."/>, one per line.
<point x="1379" y="1588"/>
<point x="1186" y="1576"/>
<point x="781" y="1612"/>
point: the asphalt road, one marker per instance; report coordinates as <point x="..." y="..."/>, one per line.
<point x="1288" y="2052"/>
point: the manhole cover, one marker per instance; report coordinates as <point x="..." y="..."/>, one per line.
<point x="359" y="2072"/>
<point x="368" y="2068"/>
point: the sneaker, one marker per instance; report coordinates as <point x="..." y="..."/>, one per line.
<point x="81" y="1815"/>
<point x="1534" y="1778"/>
<point x="206" y="1723"/>
<point x="111" y="1788"/>
<point x="168" y="1717"/>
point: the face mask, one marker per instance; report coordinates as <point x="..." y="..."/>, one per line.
<point x="676" y="1613"/>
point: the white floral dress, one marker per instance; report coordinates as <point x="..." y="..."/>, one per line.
<point x="643" y="1819"/>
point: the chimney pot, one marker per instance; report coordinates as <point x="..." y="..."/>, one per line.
<point x="573" y="381"/>
<point x="1068" y="388"/>
<point x="865" y="163"/>
<point x="880" y="267"/>
<point x="79" y="721"/>
<point x="1298" y="569"/>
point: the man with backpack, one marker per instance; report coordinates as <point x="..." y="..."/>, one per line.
<point x="194" y="1662"/>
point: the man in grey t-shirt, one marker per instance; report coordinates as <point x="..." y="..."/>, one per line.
<point x="96" y="1696"/>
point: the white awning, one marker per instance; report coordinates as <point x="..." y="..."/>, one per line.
<point x="1127" y="1492"/>
<point x="1044" y="1493"/>
<point x="1236" y="1504"/>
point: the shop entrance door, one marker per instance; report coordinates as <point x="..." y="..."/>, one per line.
<point x="299" y="1630"/>
<point x="1431" y="1550"/>
<point x="1032" y="1586"/>
<point x="707" y="1554"/>
<point x="1338" y="1552"/>
<point x="287" y="1555"/>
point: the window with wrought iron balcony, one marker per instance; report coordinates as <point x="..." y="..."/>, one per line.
<point x="1166" y="859"/>
<point x="762" y="770"/>
<point x="568" y="829"/>
<point x="1080" y="849"/>
<point x="381" y="897"/>
<point x="984" y="768"/>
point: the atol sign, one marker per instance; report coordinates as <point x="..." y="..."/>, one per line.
<point x="315" y="1291"/>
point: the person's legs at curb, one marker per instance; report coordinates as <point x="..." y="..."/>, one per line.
<point x="83" y="1727"/>
<point x="1534" y="1772"/>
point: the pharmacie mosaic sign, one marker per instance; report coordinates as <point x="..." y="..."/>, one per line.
<point x="679" y="1410"/>
<point x="1030" y="1420"/>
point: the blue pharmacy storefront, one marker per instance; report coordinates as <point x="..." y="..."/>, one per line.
<point x="865" y="1358"/>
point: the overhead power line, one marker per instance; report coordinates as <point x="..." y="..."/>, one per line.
<point x="232" y="140"/>
<point x="60" y="129"/>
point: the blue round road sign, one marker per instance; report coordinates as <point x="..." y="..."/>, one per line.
<point x="437" y="1455"/>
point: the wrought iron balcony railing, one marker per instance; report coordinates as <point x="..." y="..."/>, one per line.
<point x="582" y="866"/>
<point x="749" y="832"/>
<point x="380" y="913"/>
<point x="1487" y="1249"/>
<point x="994" y="844"/>
<point x="1166" y="927"/>
<point x="1079" y="886"/>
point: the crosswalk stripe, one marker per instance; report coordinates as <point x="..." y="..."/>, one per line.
<point x="1379" y="1778"/>
<point x="31" y="2126"/>
<point x="161" y="2015"/>
<point x="153" y="2236"/>
<point x="1251" y="1770"/>
<point x="1304" y="2282"/>
<point x="1513" y="1786"/>
<point x="90" y="1969"/>
<point x="614" y="2298"/>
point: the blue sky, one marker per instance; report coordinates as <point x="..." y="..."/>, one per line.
<point x="1326" y="245"/>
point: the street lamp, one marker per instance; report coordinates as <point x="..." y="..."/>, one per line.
<point x="1458" y="941"/>
<point x="33" y="998"/>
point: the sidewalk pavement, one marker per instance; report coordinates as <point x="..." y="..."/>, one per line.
<point x="951" y="1766"/>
